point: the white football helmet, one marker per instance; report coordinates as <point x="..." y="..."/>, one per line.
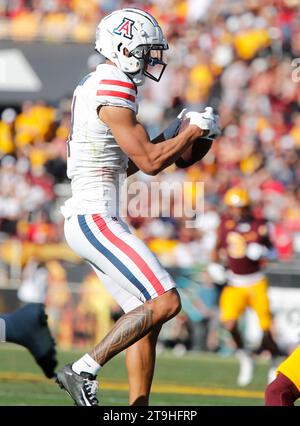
<point x="133" y="40"/>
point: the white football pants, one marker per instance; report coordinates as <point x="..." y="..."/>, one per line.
<point x="123" y="263"/>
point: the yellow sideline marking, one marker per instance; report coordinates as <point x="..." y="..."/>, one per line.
<point x="156" y="388"/>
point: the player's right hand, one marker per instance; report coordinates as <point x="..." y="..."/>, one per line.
<point x="206" y="120"/>
<point x="217" y="272"/>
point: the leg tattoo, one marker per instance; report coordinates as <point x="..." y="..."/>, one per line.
<point x="128" y="329"/>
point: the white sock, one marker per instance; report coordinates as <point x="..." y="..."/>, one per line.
<point x="86" y="364"/>
<point x="242" y="353"/>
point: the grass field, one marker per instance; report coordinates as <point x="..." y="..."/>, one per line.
<point x="194" y="379"/>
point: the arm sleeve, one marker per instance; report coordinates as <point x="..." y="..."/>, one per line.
<point x="115" y="91"/>
<point x="199" y="150"/>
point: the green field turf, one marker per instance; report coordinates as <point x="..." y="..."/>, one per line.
<point x="194" y="379"/>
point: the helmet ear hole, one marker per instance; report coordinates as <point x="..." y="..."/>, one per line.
<point x="126" y="52"/>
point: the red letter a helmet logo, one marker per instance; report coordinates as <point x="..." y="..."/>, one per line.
<point x="125" y="28"/>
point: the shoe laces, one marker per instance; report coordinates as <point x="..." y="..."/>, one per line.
<point x="91" y="387"/>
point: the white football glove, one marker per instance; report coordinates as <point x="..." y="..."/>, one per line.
<point x="256" y="251"/>
<point x="217" y="272"/>
<point x="206" y="120"/>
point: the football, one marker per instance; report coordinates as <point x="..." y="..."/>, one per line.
<point x="196" y="151"/>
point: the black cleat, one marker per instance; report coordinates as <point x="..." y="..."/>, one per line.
<point x="82" y="388"/>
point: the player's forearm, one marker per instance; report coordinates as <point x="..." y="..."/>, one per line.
<point x="162" y="155"/>
<point x="132" y="167"/>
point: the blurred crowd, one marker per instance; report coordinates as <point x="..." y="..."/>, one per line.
<point x="234" y="55"/>
<point x="33" y="161"/>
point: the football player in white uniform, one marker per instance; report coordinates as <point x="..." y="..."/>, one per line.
<point x="107" y="143"/>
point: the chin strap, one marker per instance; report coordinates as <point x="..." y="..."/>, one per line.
<point x="137" y="78"/>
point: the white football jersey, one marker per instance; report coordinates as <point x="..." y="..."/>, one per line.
<point x="96" y="164"/>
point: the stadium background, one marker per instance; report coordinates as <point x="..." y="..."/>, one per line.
<point x="234" y="55"/>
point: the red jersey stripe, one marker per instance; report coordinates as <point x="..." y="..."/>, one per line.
<point x="130" y="252"/>
<point x="116" y="94"/>
<point x="119" y="83"/>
